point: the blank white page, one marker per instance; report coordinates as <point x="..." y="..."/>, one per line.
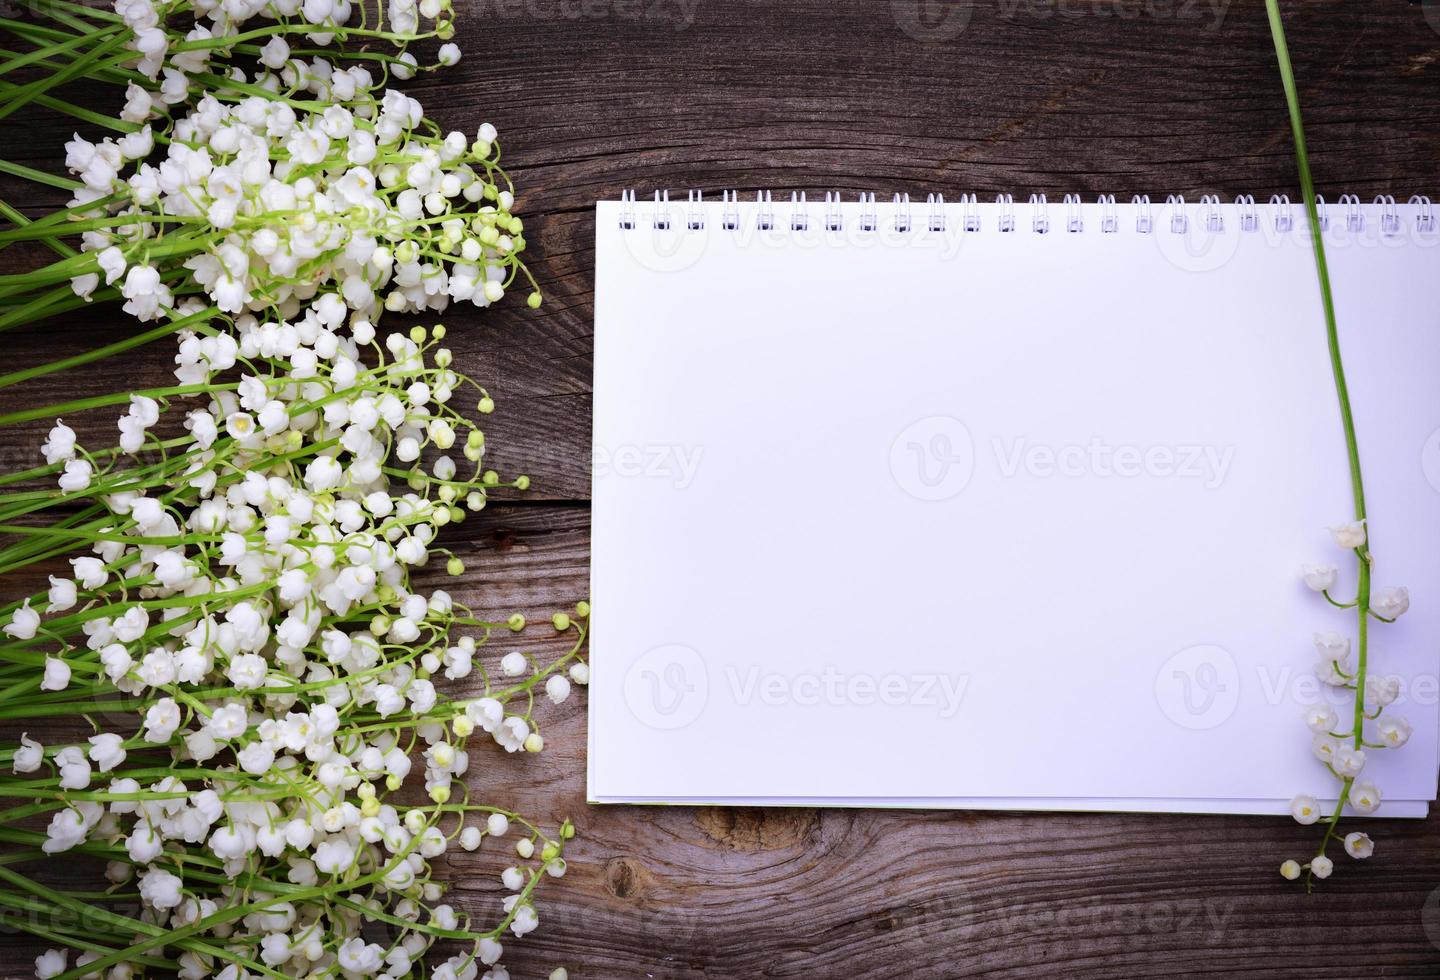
<point x="953" y="515"/>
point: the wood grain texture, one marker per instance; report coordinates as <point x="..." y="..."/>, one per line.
<point x="1120" y="96"/>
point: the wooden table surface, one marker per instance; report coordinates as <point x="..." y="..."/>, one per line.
<point x="1053" y="96"/>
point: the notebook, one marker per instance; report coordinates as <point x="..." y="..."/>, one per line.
<point x="1001" y="505"/>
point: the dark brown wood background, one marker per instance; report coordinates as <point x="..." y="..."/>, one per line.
<point x="1053" y="96"/>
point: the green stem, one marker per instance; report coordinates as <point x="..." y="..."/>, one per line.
<point x="99" y="353"/>
<point x="1342" y="392"/>
<point x="39" y="176"/>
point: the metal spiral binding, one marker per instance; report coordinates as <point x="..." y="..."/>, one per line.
<point x="1040" y="216"/>
<point x="971" y="205"/>
<point x="1109" y="214"/>
<point x="936" y="203"/>
<point x="1214" y="220"/>
<point x="1425" y="221"/>
<point x="1279" y="214"/>
<point x="869" y="213"/>
<point x="1249" y="215"/>
<point x="1179" y="220"/>
<point x="1284" y="220"/>
<point x="730" y="210"/>
<point x="1007" y="211"/>
<point x="1354" y="220"/>
<point x="902" y="212"/>
<point x="799" y="212"/>
<point x="1144" y="219"/>
<point x="1389" y="219"/>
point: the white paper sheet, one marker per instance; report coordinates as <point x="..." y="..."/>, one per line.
<point x="971" y="515"/>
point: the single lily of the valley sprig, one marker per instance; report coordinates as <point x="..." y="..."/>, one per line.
<point x="241" y="630"/>
<point x="1341" y="744"/>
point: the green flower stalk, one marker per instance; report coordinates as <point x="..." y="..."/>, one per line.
<point x="1342" y="752"/>
<point x="245" y="600"/>
<point x="235" y="612"/>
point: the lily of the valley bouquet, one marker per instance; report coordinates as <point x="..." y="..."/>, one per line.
<point x="231" y="696"/>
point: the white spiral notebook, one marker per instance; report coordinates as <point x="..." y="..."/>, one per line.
<point x="1001" y="504"/>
